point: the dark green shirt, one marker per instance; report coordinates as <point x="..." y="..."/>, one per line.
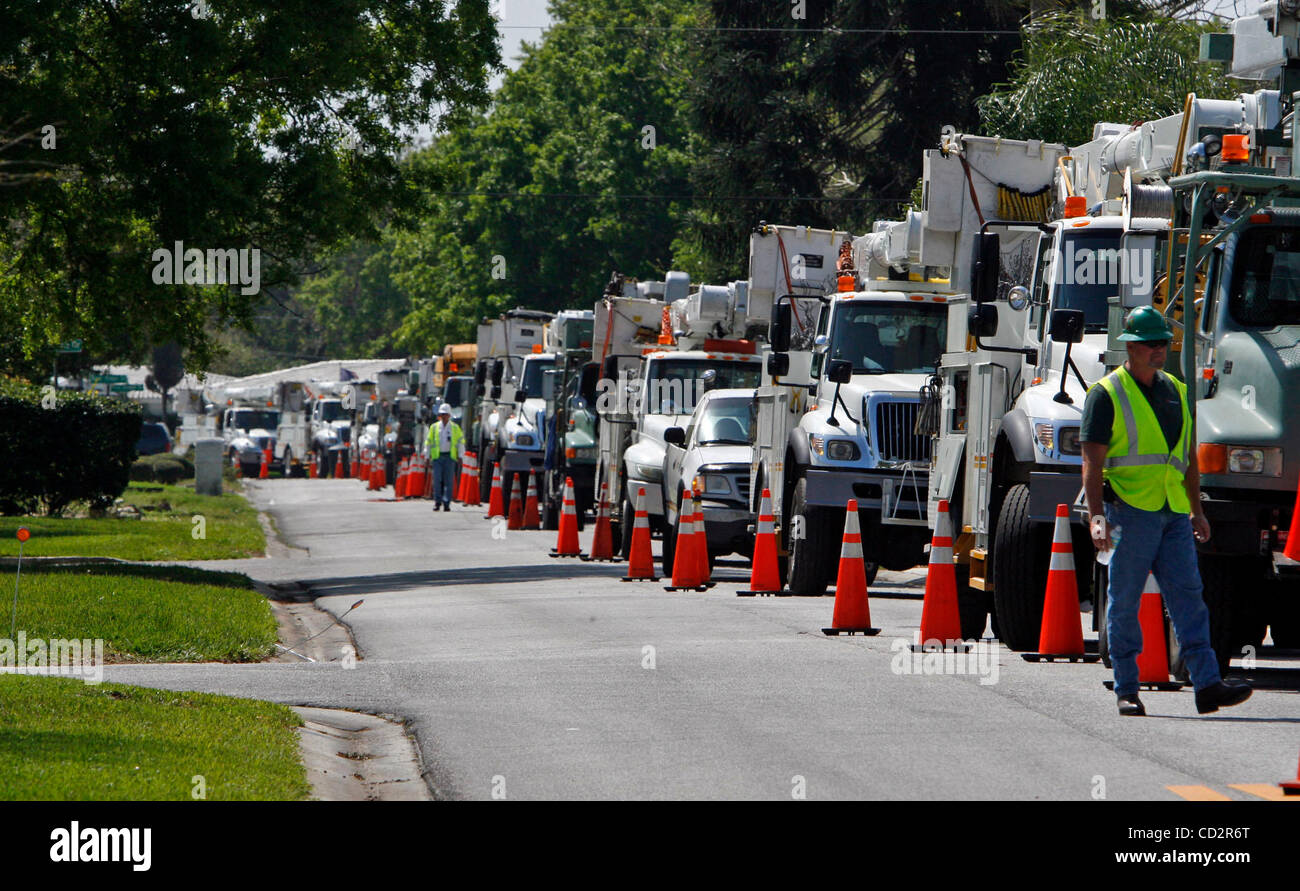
<point x="1099" y="411"/>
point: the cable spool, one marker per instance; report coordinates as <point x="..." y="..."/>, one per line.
<point x="1146" y="202"/>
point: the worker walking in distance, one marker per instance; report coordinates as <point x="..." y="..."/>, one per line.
<point x="446" y="447"/>
<point x="1138" y="438"/>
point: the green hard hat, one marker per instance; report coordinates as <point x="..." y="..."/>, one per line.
<point x="1146" y="323"/>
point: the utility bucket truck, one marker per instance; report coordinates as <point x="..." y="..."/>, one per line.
<point x="568" y="415"/>
<point x="704" y="343"/>
<point x="854" y="339"/>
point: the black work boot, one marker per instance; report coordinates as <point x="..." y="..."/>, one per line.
<point x="1130" y="706"/>
<point x="1220" y="695"/>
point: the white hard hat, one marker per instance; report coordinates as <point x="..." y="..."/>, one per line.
<point x="444" y="409"/>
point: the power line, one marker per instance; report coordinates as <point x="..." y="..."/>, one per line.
<point x="953" y="32"/>
<point x="569" y="196"/>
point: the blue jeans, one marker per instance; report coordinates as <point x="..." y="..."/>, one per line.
<point x="1158" y="542"/>
<point x="444" y="473"/>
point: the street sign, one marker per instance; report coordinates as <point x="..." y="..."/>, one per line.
<point x="72" y="346"/>
<point x="123" y="388"/>
<point x="109" y="379"/>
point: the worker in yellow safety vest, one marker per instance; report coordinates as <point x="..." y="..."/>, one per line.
<point x="446" y="446"/>
<point x="1144" y="500"/>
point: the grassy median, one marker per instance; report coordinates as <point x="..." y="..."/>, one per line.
<point x="145" y="613"/>
<point x="61" y="739"/>
<point x="176" y="524"/>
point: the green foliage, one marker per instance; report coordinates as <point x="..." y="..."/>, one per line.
<point x="168" y="468"/>
<point x="1075" y="71"/>
<point x="267" y="124"/>
<point x="63" y="740"/>
<point x="63" y="448"/>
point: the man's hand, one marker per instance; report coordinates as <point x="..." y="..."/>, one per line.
<point x="1100" y="532"/>
<point x="1200" y="528"/>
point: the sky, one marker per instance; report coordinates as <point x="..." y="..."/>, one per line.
<point x="520" y="20"/>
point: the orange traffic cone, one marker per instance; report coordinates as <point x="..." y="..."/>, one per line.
<point x="311" y="468"/>
<point x="399" y="484"/>
<point x="701" y="541"/>
<point x="686" y="562"/>
<point x="1153" y="660"/>
<point x="1061" y="636"/>
<point x="568" y="546"/>
<point x="516" y="520"/>
<point x="378" y="473"/>
<point x="1291" y="787"/>
<point x="471" y="486"/>
<point x="459" y="493"/>
<point x="640" y="560"/>
<point x="428" y="476"/>
<point x="239" y="469"/>
<point x="852" y="613"/>
<point x="602" y="539"/>
<point x="532" y="514"/>
<point x="765" y="575"/>
<point x="940" y="616"/>
<point x="354" y="464"/>
<point x="495" y="506"/>
<point x="266" y="465"/>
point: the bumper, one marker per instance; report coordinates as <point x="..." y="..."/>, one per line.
<point x="727" y="529"/>
<point x="833" y="488"/>
<point x="517" y="461"/>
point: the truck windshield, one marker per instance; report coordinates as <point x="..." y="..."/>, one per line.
<point x="890" y="338"/>
<point x="675" y="385"/>
<point x="1266" y="278"/>
<point x="1088" y="273"/>
<point x="532" y="376"/>
<point x="457" y="389"/>
<point x="331" y="411"/>
<point x="249" y="419"/>
<point x="725" y="422"/>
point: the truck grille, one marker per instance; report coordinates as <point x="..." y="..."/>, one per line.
<point x="741" y="482"/>
<point x="894" y="433"/>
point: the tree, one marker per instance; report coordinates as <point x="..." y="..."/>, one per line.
<point x="249" y="125"/>
<point x="1074" y="71"/>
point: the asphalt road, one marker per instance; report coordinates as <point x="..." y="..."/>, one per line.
<point x="532" y="677"/>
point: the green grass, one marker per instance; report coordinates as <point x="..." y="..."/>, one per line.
<point x="64" y="740"/>
<point x="166" y="532"/>
<point x="145" y="613"/>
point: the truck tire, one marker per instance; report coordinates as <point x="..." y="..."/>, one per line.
<point x="627" y="515"/>
<point x="550" y="503"/>
<point x="1218" y="575"/>
<point x="669" y="550"/>
<point x="812" y="557"/>
<point x="1019" y="572"/>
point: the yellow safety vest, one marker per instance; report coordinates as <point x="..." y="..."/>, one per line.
<point x="1140" y="466"/>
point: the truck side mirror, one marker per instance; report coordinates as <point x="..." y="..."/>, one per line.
<point x="498" y="369"/>
<point x="840" y="371"/>
<point x="779" y="330"/>
<point x="982" y="320"/>
<point x="778" y="364"/>
<point x="675" y="436"/>
<point x="986" y="261"/>
<point x="1067" y="325"/>
<point x="589" y="386"/>
<point x="495" y="392"/>
<point x="521" y="395"/>
<point x="480" y="374"/>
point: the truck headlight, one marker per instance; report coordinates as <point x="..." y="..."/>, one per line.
<point x="1070" y="444"/>
<point x="1246" y="460"/>
<point x="647" y="472"/>
<point x="712" y="484"/>
<point x="842" y="450"/>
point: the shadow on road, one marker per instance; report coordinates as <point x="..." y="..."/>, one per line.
<point x="433" y="578"/>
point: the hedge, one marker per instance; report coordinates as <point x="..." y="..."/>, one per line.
<point x="169" y="469"/>
<point x="79" y="449"/>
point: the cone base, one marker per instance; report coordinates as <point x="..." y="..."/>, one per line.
<point x="701" y="587"/>
<point x="1290" y="788"/>
<point x="868" y="632"/>
<point x="602" y="559"/>
<point x="1060" y="657"/>
<point x="554" y="553"/>
<point x="763" y="594"/>
<point x="639" y="578"/>
<point x="1153" y="686"/>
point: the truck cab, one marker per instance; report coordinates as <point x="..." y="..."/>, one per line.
<point x="520" y="435"/>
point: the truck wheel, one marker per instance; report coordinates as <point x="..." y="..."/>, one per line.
<point x="1019" y="572"/>
<point x="627" y="520"/>
<point x="871" y="570"/>
<point x="1103" y="636"/>
<point x="670" y="549"/>
<point x="1284" y="618"/>
<point x="1217" y="575"/>
<point x="812" y="556"/>
<point x="550" y="505"/>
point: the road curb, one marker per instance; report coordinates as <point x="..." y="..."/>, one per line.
<point x="351" y="756"/>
